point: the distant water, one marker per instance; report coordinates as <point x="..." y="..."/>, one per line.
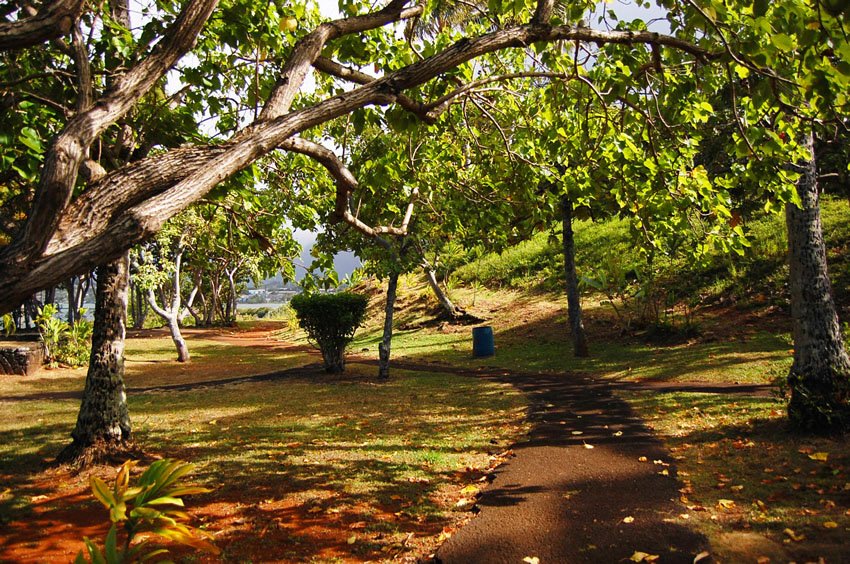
<point x="255" y="306"/>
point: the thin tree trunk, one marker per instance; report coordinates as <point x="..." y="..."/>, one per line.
<point x="103" y="427"/>
<point x="172" y="315"/>
<point x="571" y="281"/>
<point x="179" y="342"/>
<point x="72" y="294"/>
<point x="450" y="308"/>
<point x="231" y="302"/>
<point x="819" y="378"/>
<point x="386" y="340"/>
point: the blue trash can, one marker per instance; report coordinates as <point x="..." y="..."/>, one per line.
<point x="482" y="342"/>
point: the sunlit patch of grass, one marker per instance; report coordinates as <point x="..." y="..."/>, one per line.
<point x="743" y="471"/>
<point x="756" y="359"/>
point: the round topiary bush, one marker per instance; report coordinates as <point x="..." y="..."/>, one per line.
<point x="330" y="321"/>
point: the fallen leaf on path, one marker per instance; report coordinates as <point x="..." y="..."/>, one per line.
<point x="642" y="459"/>
<point x="664" y="472"/>
<point x="587" y="445"/>
<point x="314" y="510"/>
<point x="830" y="525"/>
<point x="819" y="456"/>
<point x="736" y="488"/>
<point x="763" y="560"/>
<point x="618" y="434"/>
<point x="628" y="519"/>
<point x="794" y="536"/>
<point x="531" y="560"/>
<point x="701" y="556"/>
<point x="470" y="490"/>
<point x="725" y="503"/>
<point x="352" y="539"/>
<point x="639" y="556"/>
<point x="578" y="432"/>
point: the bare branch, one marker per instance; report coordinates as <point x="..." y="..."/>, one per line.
<point x="333" y="68"/>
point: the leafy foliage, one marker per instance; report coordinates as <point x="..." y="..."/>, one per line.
<point x="330" y="320"/>
<point x="62" y="342"/>
<point x="138" y="510"/>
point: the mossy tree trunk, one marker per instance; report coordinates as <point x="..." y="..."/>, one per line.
<point x="102" y="431"/>
<point x="819" y="378"/>
<point x="571" y="281"/>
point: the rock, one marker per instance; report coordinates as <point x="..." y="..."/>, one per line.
<point x="22" y="358"/>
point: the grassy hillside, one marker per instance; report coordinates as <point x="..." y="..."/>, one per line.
<point x="606" y="250"/>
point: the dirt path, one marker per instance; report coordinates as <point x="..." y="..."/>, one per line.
<point x="590" y="483"/>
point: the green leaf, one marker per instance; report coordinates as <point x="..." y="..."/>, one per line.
<point x="782" y="42"/>
<point x="102" y="492"/>
<point x="166" y="500"/>
<point x="111" y="545"/>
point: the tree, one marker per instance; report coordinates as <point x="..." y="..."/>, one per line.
<point x="330" y="320"/>
<point x="103" y="427"/>
<point x="66" y="233"/>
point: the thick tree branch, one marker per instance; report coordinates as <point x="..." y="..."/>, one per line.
<point x="55" y="19"/>
<point x="70" y="148"/>
<point x="309" y="47"/>
<point x="333" y="68"/>
<point x="157" y="188"/>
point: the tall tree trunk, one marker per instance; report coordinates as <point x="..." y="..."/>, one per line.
<point x="103" y="428"/>
<point x="386" y="340"/>
<point x="571" y="281"/>
<point x="820" y="374"/>
<point x="450" y="308"/>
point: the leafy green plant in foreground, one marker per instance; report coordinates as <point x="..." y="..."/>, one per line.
<point x="137" y="509"/>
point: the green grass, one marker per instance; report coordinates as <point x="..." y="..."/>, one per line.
<point x="736" y="449"/>
<point x="389" y="454"/>
<point x="757" y="358"/>
<point x="760" y="275"/>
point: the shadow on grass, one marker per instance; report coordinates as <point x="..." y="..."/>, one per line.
<point x="753" y="474"/>
<point x="292" y="456"/>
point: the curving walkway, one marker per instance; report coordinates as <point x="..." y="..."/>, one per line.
<point x="584" y="485"/>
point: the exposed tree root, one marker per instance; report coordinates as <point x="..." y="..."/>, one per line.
<point x="80" y="455"/>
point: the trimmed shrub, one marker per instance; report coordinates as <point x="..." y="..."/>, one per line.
<point x="330" y="321"/>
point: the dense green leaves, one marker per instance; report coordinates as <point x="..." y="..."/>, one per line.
<point x="330" y="320"/>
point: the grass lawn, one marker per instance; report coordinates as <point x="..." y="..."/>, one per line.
<point x="300" y="466"/>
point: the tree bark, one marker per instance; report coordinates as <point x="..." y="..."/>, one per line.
<point x="453" y="311"/>
<point x="53" y="19"/>
<point x="571" y="281"/>
<point x="70" y="285"/>
<point x="386" y="339"/>
<point x="819" y="378"/>
<point x="102" y="432"/>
